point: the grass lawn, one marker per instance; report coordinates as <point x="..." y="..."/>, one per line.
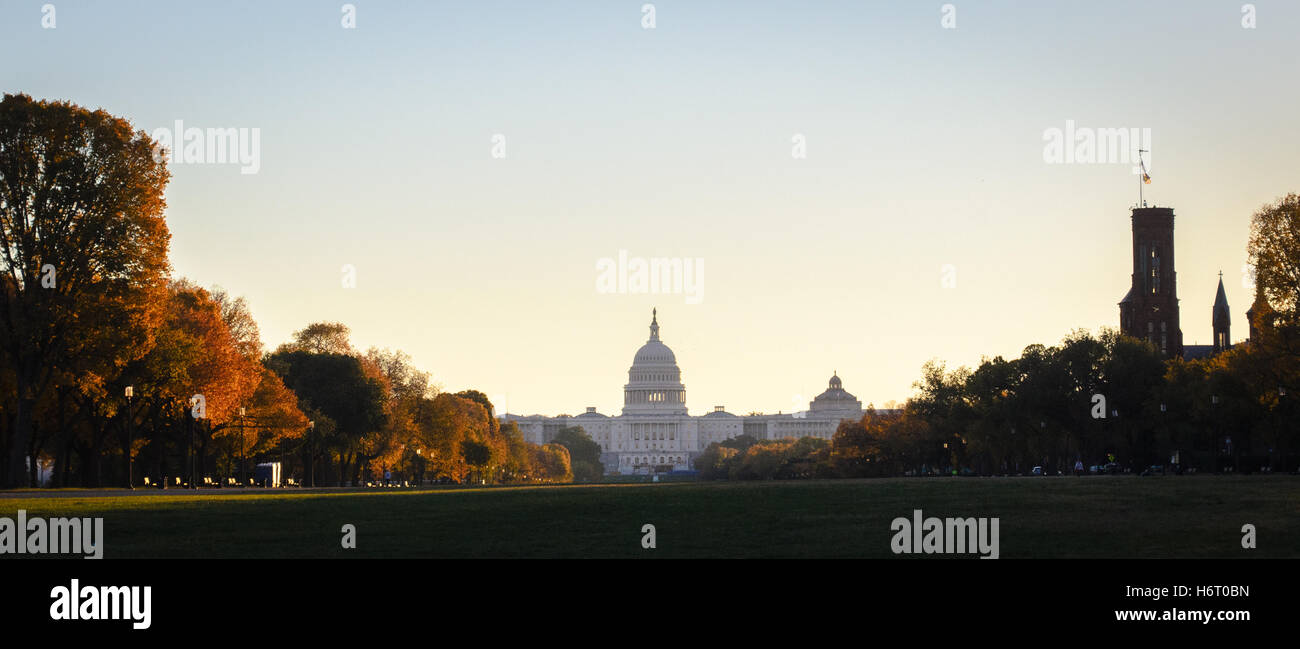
<point x="1119" y="516"/>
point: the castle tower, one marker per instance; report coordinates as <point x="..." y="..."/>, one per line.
<point x="1260" y="312"/>
<point x="1150" y="309"/>
<point x="1222" y="320"/>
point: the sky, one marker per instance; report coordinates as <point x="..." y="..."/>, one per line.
<point x="863" y="184"/>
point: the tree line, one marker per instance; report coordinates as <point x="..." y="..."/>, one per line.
<point x="1106" y="401"/>
<point x="114" y="370"/>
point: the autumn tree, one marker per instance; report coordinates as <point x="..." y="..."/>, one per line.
<point x="394" y="445"/>
<point x="553" y="463"/>
<point x="83" y="247"/>
<point x="321" y="338"/>
<point x="715" y="462"/>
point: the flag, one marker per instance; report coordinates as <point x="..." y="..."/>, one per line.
<point x="1145" y="178"/>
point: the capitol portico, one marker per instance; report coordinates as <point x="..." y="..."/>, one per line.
<point x="654" y="433"/>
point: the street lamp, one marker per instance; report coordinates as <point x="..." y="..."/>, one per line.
<point x="191" y="419"/>
<point x="243" y="470"/>
<point x="130" y="482"/>
<point x="197" y="411"/>
<point x="1218" y="432"/>
<point x="311" y="454"/>
<point x="420" y="463"/>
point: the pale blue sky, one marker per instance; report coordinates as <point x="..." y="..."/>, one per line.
<point x="924" y="148"/>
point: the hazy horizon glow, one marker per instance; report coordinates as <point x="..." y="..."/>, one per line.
<point x="924" y="149"/>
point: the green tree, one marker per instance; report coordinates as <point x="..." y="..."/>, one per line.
<point x="584" y="453"/>
<point x="715" y="462"/>
<point x="338" y="387"/>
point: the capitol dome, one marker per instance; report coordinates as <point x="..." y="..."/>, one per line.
<point x="654" y="352"/>
<point x="654" y="382"/>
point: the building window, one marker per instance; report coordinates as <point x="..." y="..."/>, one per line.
<point x="1155" y="270"/>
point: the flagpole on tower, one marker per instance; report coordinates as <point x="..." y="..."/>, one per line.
<point x="1143" y="179"/>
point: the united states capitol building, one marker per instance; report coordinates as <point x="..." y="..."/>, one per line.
<point x="654" y="433"/>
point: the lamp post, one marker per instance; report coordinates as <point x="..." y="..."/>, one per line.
<point x="130" y="482"/>
<point x="197" y="412"/>
<point x="1281" y="392"/>
<point x="1214" y="420"/>
<point x="243" y="470"/>
<point x="190" y="449"/>
<point x="311" y="454"/>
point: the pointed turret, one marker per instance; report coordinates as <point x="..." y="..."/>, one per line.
<point x="1222" y="319"/>
<point x="1259" y="313"/>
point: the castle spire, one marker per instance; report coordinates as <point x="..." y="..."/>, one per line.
<point x="1260" y="312"/>
<point x="1221" y="319"/>
<point x="1222" y="316"/>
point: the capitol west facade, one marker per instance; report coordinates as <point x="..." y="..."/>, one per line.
<point x="654" y="433"/>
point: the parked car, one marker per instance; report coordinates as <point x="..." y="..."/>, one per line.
<point x="1038" y="470"/>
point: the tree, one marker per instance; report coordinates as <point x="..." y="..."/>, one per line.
<point x="459" y="441"/>
<point x="584" y="453"/>
<point x="239" y="321"/>
<point x="715" y="462"/>
<point x="553" y="463"/>
<point x="1132" y="374"/>
<point x="321" y="338"/>
<point x="395" y="444"/>
<point x="338" y="387"/>
<point x="83" y="245"/>
<point x="1274" y="250"/>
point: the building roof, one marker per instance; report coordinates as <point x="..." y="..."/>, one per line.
<point x="720" y="414"/>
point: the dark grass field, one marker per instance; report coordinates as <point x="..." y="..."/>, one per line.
<point x="1094" y="517"/>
